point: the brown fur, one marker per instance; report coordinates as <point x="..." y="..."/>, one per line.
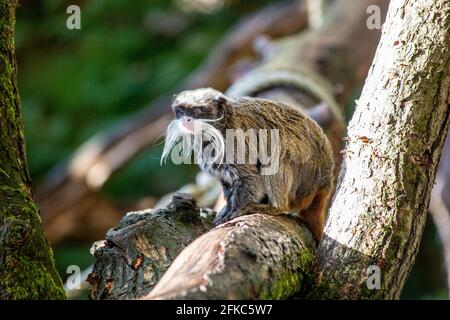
<point x="304" y="180"/>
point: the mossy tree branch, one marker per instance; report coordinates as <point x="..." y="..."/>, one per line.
<point x="255" y="256"/>
<point x="27" y="269"/>
<point x="252" y="257"/>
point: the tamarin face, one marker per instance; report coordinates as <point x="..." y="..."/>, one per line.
<point x="200" y="115"/>
<point x="206" y="105"/>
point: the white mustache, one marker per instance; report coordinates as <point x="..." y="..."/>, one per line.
<point x="203" y="131"/>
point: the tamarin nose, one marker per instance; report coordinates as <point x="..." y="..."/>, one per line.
<point x="187" y="124"/>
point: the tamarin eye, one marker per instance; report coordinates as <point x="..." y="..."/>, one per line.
<point x="178" y="113"/>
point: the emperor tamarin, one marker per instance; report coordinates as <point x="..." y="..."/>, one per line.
<point x="303" y="180"/>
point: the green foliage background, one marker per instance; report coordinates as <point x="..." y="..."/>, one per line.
<point x="74" y="83"/>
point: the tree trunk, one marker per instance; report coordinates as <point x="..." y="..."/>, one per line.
<point x="393" y="148"/>
<point x="27" y="269"/>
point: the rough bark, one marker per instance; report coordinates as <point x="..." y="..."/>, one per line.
<point x="27" y="269"/>
<point x="252" y="257"/>
<point x="138" y="251"/>
<point x="393" y="148"/>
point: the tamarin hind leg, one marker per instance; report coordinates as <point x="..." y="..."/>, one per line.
<point x="239" y="195"/>
<point x="314" y="215"/>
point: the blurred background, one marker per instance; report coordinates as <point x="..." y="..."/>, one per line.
<point x="75" y="83"/>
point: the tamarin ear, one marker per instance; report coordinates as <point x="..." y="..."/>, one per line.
<point x="221" y="101"/>
<point x="174" y="97"/>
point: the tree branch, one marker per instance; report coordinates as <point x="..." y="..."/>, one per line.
<point x="27" y="269"/>
<point x="393" y="148"/>
<point x="139" y="250"/>
<point x="252" y="257"/>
